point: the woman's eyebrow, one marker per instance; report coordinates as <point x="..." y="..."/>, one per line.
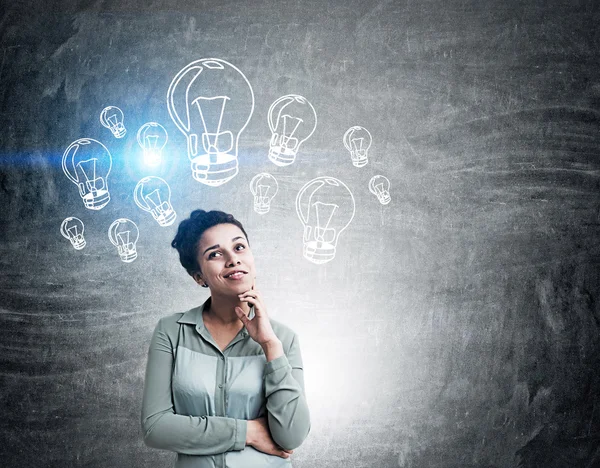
<point x="216" y="246"/>
<point x="236" y="238"/>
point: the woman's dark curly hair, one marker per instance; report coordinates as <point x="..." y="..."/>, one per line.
<point x="190" y="231"/>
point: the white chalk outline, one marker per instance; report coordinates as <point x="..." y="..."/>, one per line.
<point x="95" y="195"/>
<point x="358" y="153"/>
<point x="259" y="186"/>
<point x="112" y="118"/>
<point x="215" y="167"/>
<point x="121" y="238"/>
<point x="380" y="189"/>
<point x="316" y="248"/>
<point x="153" y="194"/>
<point x="285" y="144"/>
<point x="72" y="228"/>
<point x="152" y="137"/>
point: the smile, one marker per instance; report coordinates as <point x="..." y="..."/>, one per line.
<point x="235" y="275"/>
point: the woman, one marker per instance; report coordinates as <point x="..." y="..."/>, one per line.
<point x="224" y="383"/>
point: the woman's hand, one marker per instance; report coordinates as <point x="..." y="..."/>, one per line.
<point x="259" y="327"/>
<point x="259" y="437"/>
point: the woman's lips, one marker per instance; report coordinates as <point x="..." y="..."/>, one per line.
<point x="236" y="276"/>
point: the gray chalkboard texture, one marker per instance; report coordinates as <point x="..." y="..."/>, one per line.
<point x="457" y="326"/>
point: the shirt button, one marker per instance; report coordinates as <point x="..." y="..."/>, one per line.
<point x="222" y="358"/>
<point x="220" y="385"/>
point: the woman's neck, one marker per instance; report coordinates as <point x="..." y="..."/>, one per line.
<point x="222" y="310"/>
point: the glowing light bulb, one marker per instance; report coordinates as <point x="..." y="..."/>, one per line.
<point x="326" y="207"/>
<point x="123" y="234"/>
<point x="264" y="187"/>
<point x="292" y="120"/>
<point x="72" y="229"/>
<point x="358" y="140"/>
<point x="87" y="162"/>
<point x="211" y="102"/>
<point x="153" y="194"/>
<point x="152" y="137"/>
<point x="380" y="187"/>
<point x="111" y="117"/>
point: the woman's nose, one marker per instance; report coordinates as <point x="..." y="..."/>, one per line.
<point x="232" y="260"/>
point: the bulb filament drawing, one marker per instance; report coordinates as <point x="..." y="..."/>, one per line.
<point x="211" y="102"/>
<point x="292" y="120"/>
<point x="123" y="234"/>
<point x="72" y="229"/>
<point x="87" y="163"/>
<point x="153" y="194"/>
<point x="152" y="137"/>
<point x="326" y="207"/>
<point x="380" y="187"/>
<point x="264" y="187"/>
<point x="111" y="117"/>
<point x="358" y="140"/>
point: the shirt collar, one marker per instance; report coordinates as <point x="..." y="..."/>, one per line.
<point x="194" y="317"/>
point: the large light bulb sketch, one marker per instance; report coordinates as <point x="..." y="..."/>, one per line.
<point x="292" y="120"/>
<point x="72" y="229"/>
<point x="87" y="162"/>
<point x="326" y="207"/>
<point x="380" y="187"/>
<point x="264" y="187"/>
<point x="211" y="102"/>
<point x="152" y="137"/>
<point x="358" y="140"/>
<point x="123" y="234"/>
<point x="111" y="117"/>
<point x="153" y="194"/>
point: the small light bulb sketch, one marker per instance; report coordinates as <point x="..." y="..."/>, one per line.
<point x="264" y="188"/>
<point x="211" y="102"/>
<point x="111" y="117"/>
<point x="123" y="234"/>
<point x="358" y="140"/>
<point x="152" y="137"/>
<point x="292" y="120"/>
<point x="72" y="229"/>
<point x="153" y="194"/>
<point x="380" y="187"/>
<point x="87" y="162"/>
<point x="326" y="207"/>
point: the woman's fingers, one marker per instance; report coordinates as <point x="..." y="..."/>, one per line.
<point x="241" y="315"/>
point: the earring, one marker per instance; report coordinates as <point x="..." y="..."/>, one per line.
<point x="204" y="285"/>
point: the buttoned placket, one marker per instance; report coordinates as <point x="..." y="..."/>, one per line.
<point x="221" y="392"/>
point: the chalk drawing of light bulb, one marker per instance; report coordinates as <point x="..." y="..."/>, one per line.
<point x="72" y="229"/>
<point x="264" y="188"/>
<point x="380" y="187"/>
<point x="123" y="234"/>
<point x="326" y="207"/>
<point x="358" y="140"/>
<point x="153" y="194"/>
<point x="87" y="162"/>
<point x="152" y="137"/>
<point x="211" y="102"/>
<point x="111" y="117"/>
<point x="292" y="120"/>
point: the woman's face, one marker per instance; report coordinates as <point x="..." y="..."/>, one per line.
<point x="226" y="261"/>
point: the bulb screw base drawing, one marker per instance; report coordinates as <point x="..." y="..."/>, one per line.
<point x="261" y="208"/>
<point x="319" y="252"/>
<point x="384" y="199"/>
<point x="96" y="201"/>
<point x="128" y="256"/>
<point x="359" y="160"/>
<point x="217" y="173"/>
<point x="118" y="132"/>
<point x="281" y="158"/>
<point x="78" y="244"/>
<point x="166" y="219"/>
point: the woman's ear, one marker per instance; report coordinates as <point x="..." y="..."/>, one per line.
<point x="198" y="278"/>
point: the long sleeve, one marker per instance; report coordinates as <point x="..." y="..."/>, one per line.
<point x="163" y="429"/>
<point x="288" y="415"/>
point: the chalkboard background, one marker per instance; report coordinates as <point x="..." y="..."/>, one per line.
<point x="458" y="326"/>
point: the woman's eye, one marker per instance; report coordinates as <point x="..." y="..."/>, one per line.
<point x="240" y="247"/>
<point x="213" y="254"/>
